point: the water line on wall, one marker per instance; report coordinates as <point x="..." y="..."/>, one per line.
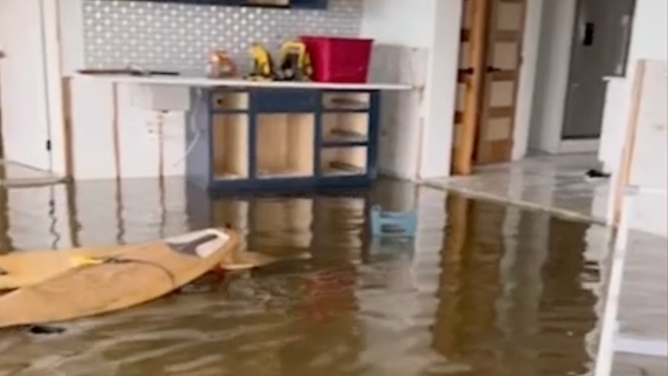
<point x="161" y="144"/>
<point x="196" y="131"/>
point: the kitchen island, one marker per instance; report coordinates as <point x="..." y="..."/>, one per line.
<point x="260" y="134"/>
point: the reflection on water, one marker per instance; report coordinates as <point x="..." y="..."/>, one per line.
<point x="482" y="290"/>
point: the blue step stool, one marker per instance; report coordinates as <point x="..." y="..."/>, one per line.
<point x="393" y="224"/>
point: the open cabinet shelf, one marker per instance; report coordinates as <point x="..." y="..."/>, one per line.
<point x="345" y="128"/>
<point x="344" y="161"/>
<point x="285" y="145"/>
<point x="265" y="138"/>
<point x="229" y="135"/>
<point x="353" y="101"/>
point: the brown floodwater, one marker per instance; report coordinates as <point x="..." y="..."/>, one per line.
<point x="483" y="289"/>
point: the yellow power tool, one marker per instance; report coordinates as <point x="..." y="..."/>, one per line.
<point x="263" y="66"/>
<point x="295" y="63"/>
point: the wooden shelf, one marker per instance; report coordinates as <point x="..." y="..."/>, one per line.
<point x="230" y="146"/>
<point x="257" y="138"/>
<point x="285" y="145"/>
<point x="345" y="127"/>
<point x="337" y="100"/>
<point x="344" y="161"/>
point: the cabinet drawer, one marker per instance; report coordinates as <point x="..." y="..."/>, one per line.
<point x="229" y="101"/>
<point x="280" y="100"/>
<point x="338" y="100"/>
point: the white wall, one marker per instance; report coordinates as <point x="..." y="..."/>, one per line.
<point x="70" y="14"/>
<point x="412" y="22"/>
<point x="429" y="30"/>
<point x="409" y="50"/>
<point x="649" y="167"/>
<point x="92" y="117"/>
<point x="441" y="90"/>
<point x="615" y="116"/>
<point x="528" y="70"/>
<point x="433" y="25"/>
<point x="552" y="75"/>
<point x="142" y="150"/>
<point x="649" y="40"/>
<point x="54" y="84"/>
<point x="648" y="170"/>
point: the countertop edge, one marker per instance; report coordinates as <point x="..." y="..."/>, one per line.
<point x="209" y="82"/>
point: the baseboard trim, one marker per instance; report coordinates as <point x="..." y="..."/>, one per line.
<point x="579" y="146"/>
<point x="395" y="175"/>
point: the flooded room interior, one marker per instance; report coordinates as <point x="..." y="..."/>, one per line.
<point x="303" y="187"/>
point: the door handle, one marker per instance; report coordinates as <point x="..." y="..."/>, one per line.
<point x="493" y="69"/>
<point x="466" y="71"/>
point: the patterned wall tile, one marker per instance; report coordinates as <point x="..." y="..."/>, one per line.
<point x="118" y="33"/>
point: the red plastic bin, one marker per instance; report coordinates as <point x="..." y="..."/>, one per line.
<point x="339" y="60"/>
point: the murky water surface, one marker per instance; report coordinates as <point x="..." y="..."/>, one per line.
<point x="482" y="290"/>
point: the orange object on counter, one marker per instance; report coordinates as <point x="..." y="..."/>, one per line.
<point x="221" y="65"/>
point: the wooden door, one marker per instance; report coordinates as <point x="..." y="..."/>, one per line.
<point x="501" y="81"/>
<point x="470" y="81"/>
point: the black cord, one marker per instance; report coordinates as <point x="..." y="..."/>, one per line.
<point x="119" y="260"/>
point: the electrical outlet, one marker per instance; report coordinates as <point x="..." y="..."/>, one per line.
<point x="161" y="98"/>
<point x="173" y="126"/>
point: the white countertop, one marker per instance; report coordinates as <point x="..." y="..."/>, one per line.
<point x="195" y="81"/>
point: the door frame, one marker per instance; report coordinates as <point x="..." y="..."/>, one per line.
<point x="482" y="12"/>
<point x="462" y="159"/>
<point x="486" y="153"/>
<point x="592" y="144"/>
<point x="58" y="89"/>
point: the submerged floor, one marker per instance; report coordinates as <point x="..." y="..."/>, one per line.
<point x="484" y="289"/>
<point x="554" y="183"/>
<point x="557" y="184"/>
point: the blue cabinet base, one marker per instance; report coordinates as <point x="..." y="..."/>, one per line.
<point x="281" y="139"/>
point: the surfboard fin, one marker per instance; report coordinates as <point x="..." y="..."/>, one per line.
<point x="190" y="248"/>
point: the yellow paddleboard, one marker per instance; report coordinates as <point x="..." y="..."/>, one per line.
<point x="127" y="277"/>
<point x="20" y="269"/>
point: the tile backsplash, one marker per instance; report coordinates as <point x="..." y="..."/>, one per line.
<point x="118" y="33"/>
